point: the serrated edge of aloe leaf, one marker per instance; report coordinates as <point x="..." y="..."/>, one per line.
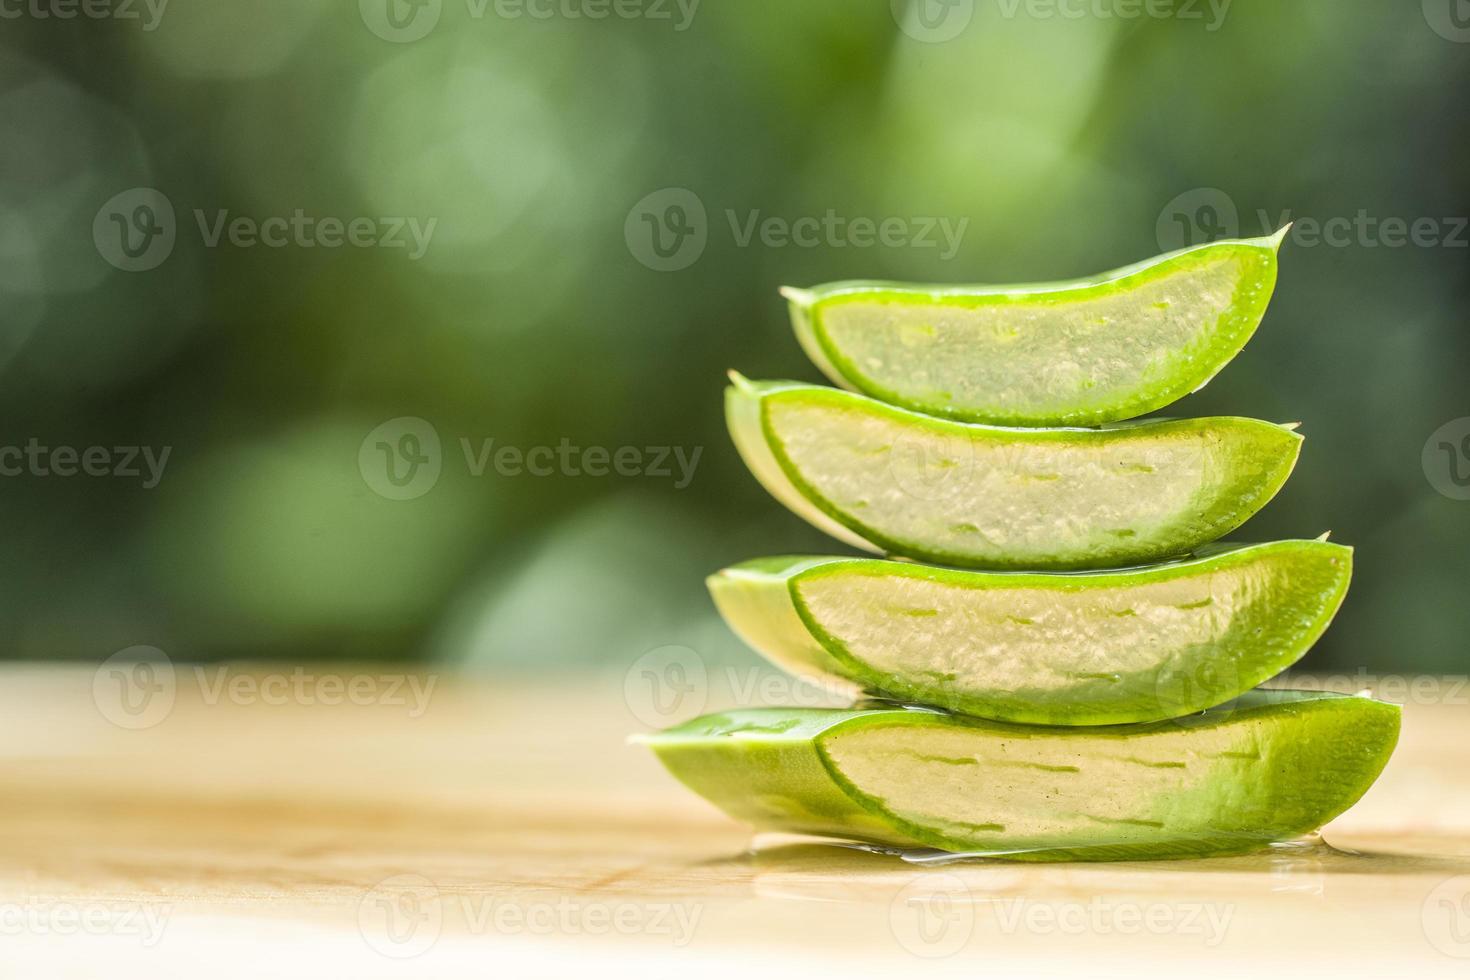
<point x="805" y="309"/>
<point x="789" y="487"/>
<point x="850" y="669"/>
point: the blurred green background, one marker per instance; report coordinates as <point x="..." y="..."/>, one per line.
<point x="1069" y="145"/>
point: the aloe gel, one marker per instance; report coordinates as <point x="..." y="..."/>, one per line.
<point x="1096" y="648"/>
<point x="1101" y="349"/>
<point x="893" y="481"/>
<point x="1054" y="661"/>
<point x="1268" y="767"/>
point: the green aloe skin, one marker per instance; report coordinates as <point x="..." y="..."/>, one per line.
<point x="1080" y="661"/>
<point x="1101" y="349"/>
<point x="893" y="481"/>
<point x="1098" y="648"/>
<point x="1268" y="767"/>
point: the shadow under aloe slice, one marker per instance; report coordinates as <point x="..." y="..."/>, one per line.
<point x="1109" y="347"/>
<point x="1268" y="767"/>
<point x="1095" y="648"/>
<point x="890" y="480"/>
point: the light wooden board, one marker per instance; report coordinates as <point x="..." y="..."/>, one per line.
<point x="488" y="828"/>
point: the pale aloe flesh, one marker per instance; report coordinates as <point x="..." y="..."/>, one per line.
<point x="1101" y="349"/>
<point x="894" y="481"/>
<point x="1268" y="767"/>
<point x="1096" y="648"/>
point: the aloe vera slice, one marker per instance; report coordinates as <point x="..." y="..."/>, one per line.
<point x="1268" y="767"/>
<point x="1109" y="347"/>
<point x="1095" y="648"/>
<point x="890" y="480"/>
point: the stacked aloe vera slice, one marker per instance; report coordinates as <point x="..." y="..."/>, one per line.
<point x="1070" y="672"/>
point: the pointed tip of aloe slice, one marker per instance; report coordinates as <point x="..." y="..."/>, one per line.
<point x="1290" y="426"/>
<point x="1276" y="239"/>
<point x="1324" y="535"/>
<point x="801" y="297"/>
<point x="719" y="580"/>
<point x="740" y="381"/>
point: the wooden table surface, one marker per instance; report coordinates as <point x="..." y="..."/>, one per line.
<point x="265" y="824"/>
